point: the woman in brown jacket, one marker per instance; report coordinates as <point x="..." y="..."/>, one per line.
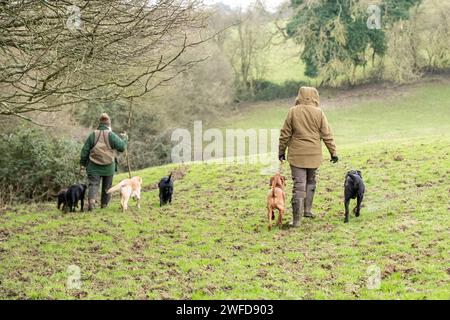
<point x="304" y="129"/>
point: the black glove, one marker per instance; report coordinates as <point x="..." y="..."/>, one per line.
<point x="334" y="159"/>
<point x="282" y="157"/>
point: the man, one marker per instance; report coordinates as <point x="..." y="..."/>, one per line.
<point x="303" y="130"/>
<point x="98" y="157"/>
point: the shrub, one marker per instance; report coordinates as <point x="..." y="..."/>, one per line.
<point x="34" y="166"/>
<point x="266" y="91"/>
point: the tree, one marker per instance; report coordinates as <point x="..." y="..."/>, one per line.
<point x="57" y="53"/>
<point x="435" y="35"/>
<point x="246" y="44"/>
<point x="420" y="44"/>
<point x="335" y="34"/>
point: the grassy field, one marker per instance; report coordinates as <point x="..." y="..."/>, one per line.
<point x="285" y="67"/>
<point x="213" y="242"/>
<point x="367" y="115"/>
<point x="279" y="68"/>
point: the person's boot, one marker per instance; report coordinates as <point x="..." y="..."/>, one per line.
<point x="310" y="190"/>
<point x="91" y="206"/>
<point x="105" y="202"/>
<point x="106" y="197"/>
<point x="297" y="211"/>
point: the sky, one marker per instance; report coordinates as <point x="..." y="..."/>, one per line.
<point x="271" y="4"/>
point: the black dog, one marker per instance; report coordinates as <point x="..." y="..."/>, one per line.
<point x="74" y="194"/>
<point x="62" y="199"/>
<point x="165" y="190"/>
<point x="353" y="188"/>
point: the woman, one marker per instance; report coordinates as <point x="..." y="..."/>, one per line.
<point x="303" y="130"/>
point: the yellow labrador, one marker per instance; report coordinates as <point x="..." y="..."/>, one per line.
<point x="128" y="188"/>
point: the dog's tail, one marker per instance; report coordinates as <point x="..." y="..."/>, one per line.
<point x="170" y="176"/>
<point x="114" y="189"/>
<point x="273" y="187"/>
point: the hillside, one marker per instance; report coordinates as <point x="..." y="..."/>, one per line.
<point x="367" y="113"/>
<point x="213" y="242"/>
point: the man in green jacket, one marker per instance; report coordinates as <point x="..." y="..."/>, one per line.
<point x="98" y="157"/>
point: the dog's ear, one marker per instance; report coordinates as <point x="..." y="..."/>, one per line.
<point x="283" y="179"/>
<point x="359" y="173"/>
<point x="270" y="182"/>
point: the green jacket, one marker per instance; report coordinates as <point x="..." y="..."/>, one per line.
<point x="101" y="170"/>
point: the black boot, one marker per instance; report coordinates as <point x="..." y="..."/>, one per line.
<point x="91" y="205"/>
<point x="297" y="211"/>
<point x="106" y="197"/>
<point x="310" y="190"/>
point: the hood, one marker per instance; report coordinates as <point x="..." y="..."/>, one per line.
<point x="308" y="96"/>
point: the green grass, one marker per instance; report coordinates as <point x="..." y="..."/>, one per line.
<point x="422" y="112"/>
<point x="276" y="67"/>
<point x="287" y="66"/>
<point x="281" y="62"/>
<point x="213" y="242"/>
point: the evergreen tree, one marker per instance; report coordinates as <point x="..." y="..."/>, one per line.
<point x="335" y="34"/>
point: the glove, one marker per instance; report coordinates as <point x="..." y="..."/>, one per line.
<point x="124" y="136"/>
<point x="282" y="158"/>
<point x="334" y="159"/>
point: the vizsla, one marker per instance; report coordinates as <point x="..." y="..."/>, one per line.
<point x="276" y="199"/>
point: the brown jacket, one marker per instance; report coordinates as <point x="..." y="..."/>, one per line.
<point x="305" y="126"/>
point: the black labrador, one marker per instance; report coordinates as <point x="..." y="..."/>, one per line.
<point x="165" y="190"/>
<point x="353" y="188"/>
<point x="62" y="199"/>
<point x="74" y="194"/>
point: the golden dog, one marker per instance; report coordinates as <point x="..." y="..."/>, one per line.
<point x="128" y="188"/>
<point x="276" y="199"/>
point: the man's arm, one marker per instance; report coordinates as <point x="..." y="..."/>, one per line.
<point x="84" y="157"/>
<point x="117" y="143"/>
<point x="327" y="136"/>
<point x="285" y="135"/>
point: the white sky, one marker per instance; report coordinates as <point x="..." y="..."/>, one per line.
<point x="271" y="4"/>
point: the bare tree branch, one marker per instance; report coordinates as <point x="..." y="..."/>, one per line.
<point x="57" y="53"/>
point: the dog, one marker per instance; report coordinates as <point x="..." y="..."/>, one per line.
<point x="353" y="188"/>
<point x="128" y="188"/>
<point x="61" y="196"/>
<point x="165" y="186"/>
<point x="276" y="199"/>
<point x="74" y="194"/>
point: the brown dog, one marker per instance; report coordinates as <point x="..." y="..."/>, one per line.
<point x="128" y="188"/>
<point x="276" y="199"/>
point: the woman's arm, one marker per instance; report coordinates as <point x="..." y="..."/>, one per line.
<point x="285" y="134"/>
<point x="327" y="135"/>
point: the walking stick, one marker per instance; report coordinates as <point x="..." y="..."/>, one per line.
<point x="128" y="128"/>
<point x="128" y="162"/>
